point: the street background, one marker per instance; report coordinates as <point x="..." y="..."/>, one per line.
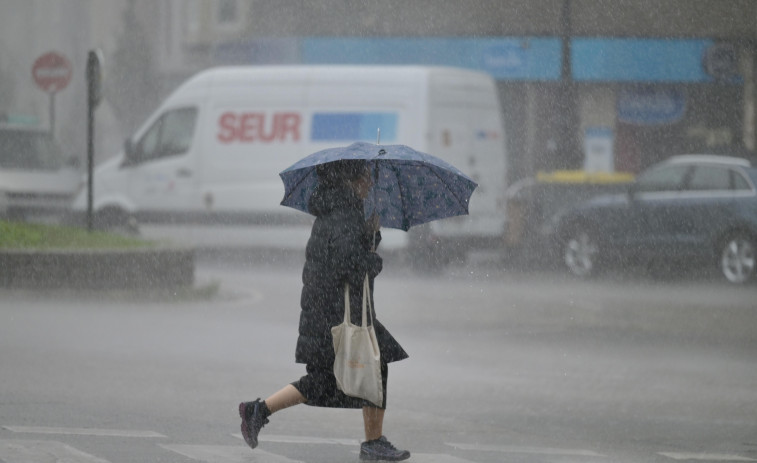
<point x="504" y="366"/>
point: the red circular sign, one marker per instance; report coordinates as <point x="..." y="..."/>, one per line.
<point x="52" y="72"/>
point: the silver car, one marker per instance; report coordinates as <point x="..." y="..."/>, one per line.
<point x="690" y="210"/>
<point x="35" y="178"/>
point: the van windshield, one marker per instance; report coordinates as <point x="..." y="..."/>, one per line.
<point x="28" y="150"/>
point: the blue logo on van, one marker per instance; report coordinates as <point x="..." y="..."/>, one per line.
<point x="353" y="127"/>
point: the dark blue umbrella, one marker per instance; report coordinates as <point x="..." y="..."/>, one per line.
<point x="410" y="188"/>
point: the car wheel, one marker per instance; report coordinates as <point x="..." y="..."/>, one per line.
<point x="581" y="253"/>
<point x="737" y="259"/>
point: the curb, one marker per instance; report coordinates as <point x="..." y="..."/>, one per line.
<point x="144" y="268"/>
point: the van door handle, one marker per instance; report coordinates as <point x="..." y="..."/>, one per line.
<point x="183" y="172"/>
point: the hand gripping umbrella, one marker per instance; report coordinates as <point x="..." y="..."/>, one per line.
<point x="410" y="187"/>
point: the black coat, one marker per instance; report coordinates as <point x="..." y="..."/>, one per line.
<point x="338" y="251"/>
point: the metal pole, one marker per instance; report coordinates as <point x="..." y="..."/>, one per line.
<point x="51" y="96"/>
<point x="747" y="71"/>
<point x="91" y="82"/>
<point x="571" y="157"/>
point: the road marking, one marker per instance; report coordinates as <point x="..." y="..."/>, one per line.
<point x="529" y="450"/>
<point x="30" y="450"/>
<point x="242" y="454"/>
<point x="705" y="456"/>
<point x="228" y="454"/>
<point x="82" y="431"/>
<point x="436" y="458"/>
<point x="303" y="439"/>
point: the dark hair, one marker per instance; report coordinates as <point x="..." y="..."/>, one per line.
<point x="338" y="173"/>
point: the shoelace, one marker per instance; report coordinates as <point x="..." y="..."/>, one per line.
<point x="389" y="445"/>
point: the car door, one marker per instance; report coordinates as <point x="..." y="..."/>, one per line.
<point x="702" y="210"/>
<point x="163" y="176"/>
<point x="657" y="194"/>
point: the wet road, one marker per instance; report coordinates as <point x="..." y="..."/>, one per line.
<point x="505" y="366"/>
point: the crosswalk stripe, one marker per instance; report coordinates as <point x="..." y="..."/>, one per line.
<point x="705" y="456"/>
<point x="528" y="450"/>
<point x="82" y="431"/>
<point x="227" y="454"/>
<point x="31" y="450"/>
<point x="435" y="458"/>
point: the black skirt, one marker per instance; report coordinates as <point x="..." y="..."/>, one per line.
<point x="320" y="389"/>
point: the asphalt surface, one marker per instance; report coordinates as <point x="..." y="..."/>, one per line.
<point x="506" y="365"/>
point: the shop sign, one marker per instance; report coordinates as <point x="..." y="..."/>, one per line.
<point x="649" y="105"/>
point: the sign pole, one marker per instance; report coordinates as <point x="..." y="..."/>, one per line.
<point x="51" y="96"/>
<point x="90" y="150"/>
<point x="94" y="77"/>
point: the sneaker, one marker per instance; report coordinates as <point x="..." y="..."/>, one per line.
<point x="254" y="416"/>
<point x="382" y="449"/>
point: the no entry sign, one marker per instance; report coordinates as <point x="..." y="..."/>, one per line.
<point x="52" y="72"/>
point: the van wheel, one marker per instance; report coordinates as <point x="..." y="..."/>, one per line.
<point x="118" y="221"/>
<point x="737" y="258"/>
<point x="581" y="252"/>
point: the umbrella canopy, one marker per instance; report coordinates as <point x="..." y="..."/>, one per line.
<point x="410" y="188"/>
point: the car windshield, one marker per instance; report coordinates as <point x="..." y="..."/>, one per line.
<point x="28" y="150"/>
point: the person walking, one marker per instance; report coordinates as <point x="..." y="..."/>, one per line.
<point x="341" y="249"/>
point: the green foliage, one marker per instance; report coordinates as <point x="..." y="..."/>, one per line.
<point x="17" y="235"/>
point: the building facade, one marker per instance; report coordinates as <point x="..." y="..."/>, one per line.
<point x="594" y="84"/>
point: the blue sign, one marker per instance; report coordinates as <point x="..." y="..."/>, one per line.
<point x="526" y="58"/>
<point x="505" y="58"/>
<point x="649" y="105"/>
<point x="639" y="60"/>
<point x="353" y="127"/>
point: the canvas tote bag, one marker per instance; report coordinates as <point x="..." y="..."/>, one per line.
<point x="357" y="364"/>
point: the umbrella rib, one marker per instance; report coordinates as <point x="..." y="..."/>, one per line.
<point x="402" y="197"/>
<point x="459" y="201"/>
<point x="295" y="187"/>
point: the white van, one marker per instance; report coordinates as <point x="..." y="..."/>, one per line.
<point x="36" y="181"/>
<point x="210" y="155"/>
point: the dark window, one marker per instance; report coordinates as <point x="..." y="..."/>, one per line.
<point x="170" y="135"/>
<point x="739" y="182"/>
<point x="710" y="178"/>
<point x="665" y="178"/>
<point x="29" y="150"/>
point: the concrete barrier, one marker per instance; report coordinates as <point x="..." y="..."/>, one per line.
<point x="140" y="268"/>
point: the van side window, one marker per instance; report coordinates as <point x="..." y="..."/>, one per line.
<point x="170" y="135"/>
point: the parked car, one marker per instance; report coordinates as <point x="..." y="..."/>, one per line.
<point x="36" y="180"/>
<point x="688" y="210"/>
<point x="532" y="202"/>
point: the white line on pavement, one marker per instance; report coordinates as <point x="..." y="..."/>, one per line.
<point x="82" y="431"/>
<point x="529" y="450"/>
<point x="436" y="458"/>
<point x="705" y="456"/>
<point x="240" y="453"/>
<point x="30" y="450"/>
<point x="227" y="454"/>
